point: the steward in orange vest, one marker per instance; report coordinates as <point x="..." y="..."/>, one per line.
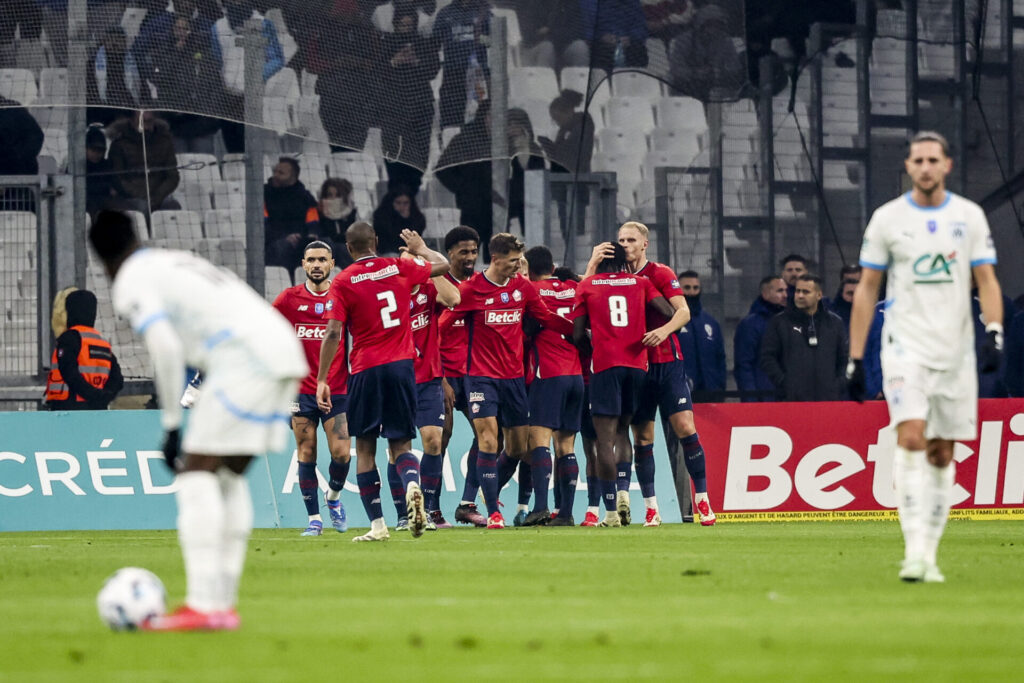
<point x="84" y="373"/>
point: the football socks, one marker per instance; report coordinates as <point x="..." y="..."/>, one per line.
<point x="369" y="493"/>
<point x="568" y="473"/>
<point x="487" y="474"/>
<point x="430" y="476"/>
<point x="397" y="489"/>
<point x="309" y="488"/>
<point x="643" y="459"/>
<point x="540" y="465"/>
<point x="693" y="454"/>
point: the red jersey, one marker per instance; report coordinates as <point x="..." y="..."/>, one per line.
<point x="494" y="315"/>
<point x="616" y="304"/>
<point x="553" y="355"/>
<point x="667" y="284"/>
<point x="372" y="297"/>
<point x="454" y="340"/>
<point x="305" y="311"/>
<point x="423" y="314"/>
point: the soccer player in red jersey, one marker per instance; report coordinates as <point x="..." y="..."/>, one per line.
<point x="462" y="244"/>
<point x="304" y="306"/>
<point x="667" y="388"/>
<point x="614" y="303"/>
<point x="494" y="303"/>
<point x="556" y="397"/>
<point x="429" y="301"/>
<point x="372" y="297"/>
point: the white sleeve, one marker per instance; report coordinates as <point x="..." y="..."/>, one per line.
<point x="874" y="250"/>
<point x="137" y="302"/>
<point x="983" y="249"/>
<point x="168" y="358"/>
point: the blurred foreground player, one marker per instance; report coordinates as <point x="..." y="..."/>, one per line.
<point x="305" y="306"/>
<point x="929" y="242"/>
<point x="192" y="313"/>
<point x="372" y="297"/>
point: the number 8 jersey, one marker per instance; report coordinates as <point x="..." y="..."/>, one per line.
<point x="373" y="297"/>
<point x="616" y="304"/>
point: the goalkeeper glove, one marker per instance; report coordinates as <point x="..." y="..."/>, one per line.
<point x="172" y="446"/>
<point x="855" y="379"/>
<point x="992" y="349"/>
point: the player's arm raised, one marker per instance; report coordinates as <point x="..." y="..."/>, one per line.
<point x="328" y="349"/>
<point x="447" y="293"/>
<point x="539" y="310"/>
<point x="600" y="253"/>
<point x="415" y="244"/>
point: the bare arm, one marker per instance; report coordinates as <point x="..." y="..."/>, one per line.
<point x="864" y="299"/>
<point x="328" y="349"/>
<point x="416" y="246"/>
<point x="447" y="293"/>
<point x="990" y="295"/>
<point x="601" y="251"/>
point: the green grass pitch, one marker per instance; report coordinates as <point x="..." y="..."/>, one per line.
<point x="783" y="601"/>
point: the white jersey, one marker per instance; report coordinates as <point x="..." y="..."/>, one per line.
<point x="209" y="308"/>
<point x="929" y="253"/>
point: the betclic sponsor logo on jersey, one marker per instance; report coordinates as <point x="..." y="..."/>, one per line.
<point x="420" y="321"/>
<point x="310" y="332"/>
<point x="508" y="317"/>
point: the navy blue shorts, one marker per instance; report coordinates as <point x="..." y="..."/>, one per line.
<point x="586" y="419"/>
<point x="616" y="391"/>
<point x="458" y="385"/>
<point x="501" y="398"/>
<point x="429" y="404"/>
<point x="382" y="401"/>
<point x="306" y="407"/>
<point x="557" y="402"/>
<point x="666" y="389"/>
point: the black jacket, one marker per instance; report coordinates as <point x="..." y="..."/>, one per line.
<point x="21" y="139"/>
<point x="289" y="210"/>
<point x="81" y="309"/>
<point x="800" y="371"/>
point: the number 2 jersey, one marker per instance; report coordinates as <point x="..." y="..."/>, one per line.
<point x="616" y="305"/>
<point x="306" y="311"/>
<point x="373" y="298"/>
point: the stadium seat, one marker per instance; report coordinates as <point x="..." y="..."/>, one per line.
<point x="358" y="168"/>
<point x="229" y="194"/>
<point x="53" y="86"/>
<point x="18" y="226"/>
<point x="233" y="167"/>
<point x="635" y="84"/>
<point x="198" y="168"/>
<point x="435" y="194"/>
<point x="131" y="22"/>
<point x="578" y="78"/>
<point x="307" y="83"/>
<point x="439" y="221"/>
<point x="539" y="112"/>
<point x="179" y="225"/>
<point x="15" y="255"/>
<point x="228" y="252"/>
<point x="531" y="82"/>
<point x="279" y="95"/>
<point x="275" y="280"/>
<point x="624" y="142"/>
<point x="681" y="112"/>
<point x="288" y="44"/>
<point x="18" y="85"/>
<point x="139" y="221"/>
<point x="627" y="172"/>
<point x="514" y="33"/>
<point x="684" y="142"/>
<point x="194" y="196"/>
<point x="629" y="112"/>
<point x="219" y="223"/>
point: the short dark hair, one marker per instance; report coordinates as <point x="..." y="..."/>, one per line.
<point x="505" y="243"/>
<point x="318" y="244"/>
<point x="808" y="277"/>
<point x="792" y="257"/>
<point x="360" y="237"/>
<point x="929" y="136"/>
<point x="767" y="280"/>
<point x="565" y="274"/>
<point x="540" y="260"/>
<point x="294" y="163"/>
<point x="460" y="233"/>
<point x="614" y="263"/>
<point x="689" y="273"/>
<point x="112" y="235"/>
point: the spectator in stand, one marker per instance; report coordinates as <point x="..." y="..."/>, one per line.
<point x="668" y="18"/>
<point x="465" y="169"/>
<point x="703" y="60"/>
<point x="804" y="350"/>
<point x="99" y="187"/>
<point x="793" y="266"/>
<point x="187" y="78"/>
<point x="337" y="213"/>
<point x="990" y="384"/>
<point x="84" y="372"/>
<point x="459" y="28"/>
<point x="526" y="155"/>
<point x="701" y="340"/>
<point x="552" y="31"/>
<point x="113" y="84"/>
<point x="227" y="34"/>
<point x="21" y="139"/>
<point x="18" y="14"/>
<point x="1013" y="365"/>
<point x="617" y="33"/>
<point x="410" y="63"/>
<point x="842" y="304"/>
<point x="747" y="342"/>
<point x="290" y="216"/>
<point x="144" y="163"/>
<point x="397" y="212"/>
<point x="570" y="152"/>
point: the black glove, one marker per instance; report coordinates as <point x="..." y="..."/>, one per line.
<point x="855" y="379"/>
<point x="992" y="350"/>
<point x="172" y="445"/>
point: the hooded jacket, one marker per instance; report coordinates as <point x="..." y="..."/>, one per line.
<point x="130" y="157"/>
<point x="805" y="356"/>
<point x="747" y="349"/>
<point x="81" y="312"/>
<point x="703" y="349"/>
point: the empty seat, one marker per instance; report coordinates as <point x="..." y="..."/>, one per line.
<point x="276" y="279"/>
<point x="629" y="112"/>
<point x="194" y="196"/>
<point x="439" y="221"/>
<point x="233" y="167"/>
<point x="681" y="112"/>
<point x="358" y="168"/>
<point x="635" y="84"/>
<point x="228" y="252"/>
<point x="229" y="194"/>
<point x="18" y="226"/>
<point x="622" y="142"/>
<point x="536" y="82"/>
<point x="177" y="225"/>
<point x="131" y="22"/>
<point x="198" y="168"/>
<point x="224" y="223"/>
<point x="682" y="142"/>
<point x="539" y="111"/>
<point x="18" y="85"/>
<point x="53" y="86"/>
<point x="578" y="78"/>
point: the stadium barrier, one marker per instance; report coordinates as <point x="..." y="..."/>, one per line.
<point x="770" y="461"/>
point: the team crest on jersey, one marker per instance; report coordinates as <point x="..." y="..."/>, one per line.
<point x="318" y="308"/>
<point x="675" y="284"/>
<point x="958" y="230"/>
<point x="303" y="307"/>
<point x="517" y="295"/>
<point x="421" y="298"/>
<point x="932" y="227"/>
<point x="504" y="297"/>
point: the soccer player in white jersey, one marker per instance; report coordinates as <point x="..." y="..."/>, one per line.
<point x="192" y="313"/>
<point x="928" y="242"/>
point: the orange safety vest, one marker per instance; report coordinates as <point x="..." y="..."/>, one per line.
<point x="94" y="362"/>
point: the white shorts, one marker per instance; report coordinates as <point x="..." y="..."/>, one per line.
<point x="240" y="413"/>
<point x="947" y="400"/>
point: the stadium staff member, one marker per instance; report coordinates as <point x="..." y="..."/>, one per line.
<point x="84" y="373"/>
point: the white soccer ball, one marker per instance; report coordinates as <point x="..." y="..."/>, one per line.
<point x="129" y="597"/>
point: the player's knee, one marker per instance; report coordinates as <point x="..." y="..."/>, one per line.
<point x="912" y="442"/>
<point x="682" y="424"/>
<point x="341" y="455"/>
<point x="305" y="452"/>
<point x="940" y="454"/>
